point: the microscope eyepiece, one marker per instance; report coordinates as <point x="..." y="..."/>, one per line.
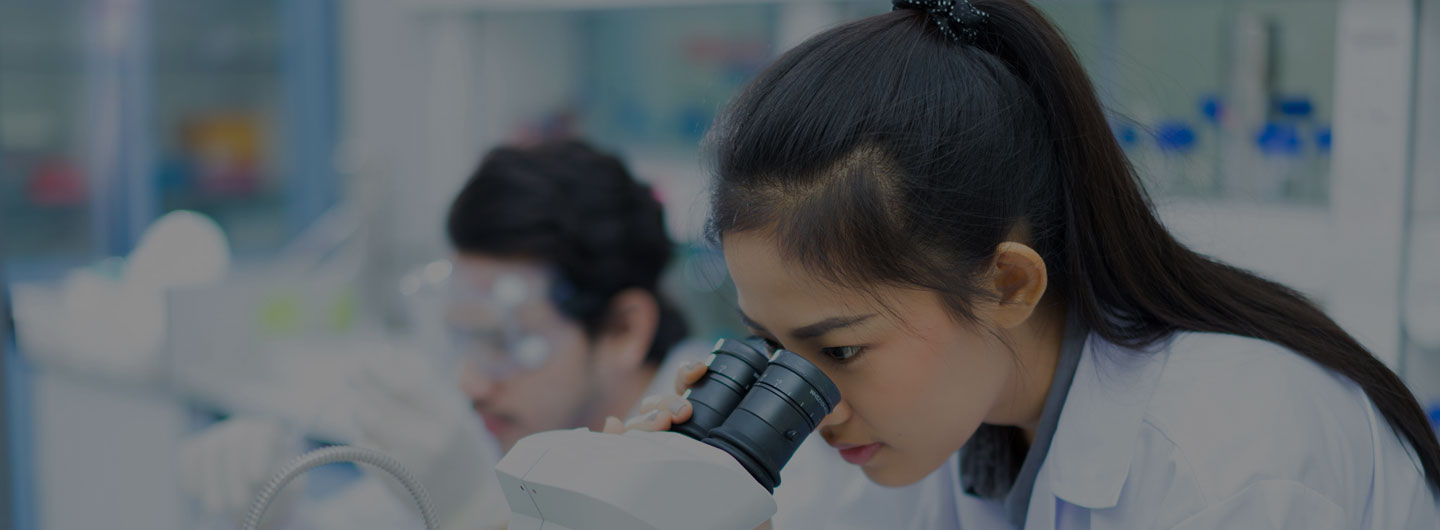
<point x="758" y="407"/>
<point x="783" y="407"/>
<point x="735" y="366"/>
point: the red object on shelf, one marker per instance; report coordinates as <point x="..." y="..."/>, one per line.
<point x="57" y="182"/>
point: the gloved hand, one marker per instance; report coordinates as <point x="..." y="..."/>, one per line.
<point x="226" y="465"/>
<point x="407" y="409"/>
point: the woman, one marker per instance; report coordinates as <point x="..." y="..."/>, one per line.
<point x="929" y="204"/>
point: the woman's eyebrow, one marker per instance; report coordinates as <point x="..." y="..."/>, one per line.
<point x="811" y="331"/>
<point x="819" y="329"/>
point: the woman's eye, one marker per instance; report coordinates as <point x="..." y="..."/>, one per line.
<point x="842" y="354"/>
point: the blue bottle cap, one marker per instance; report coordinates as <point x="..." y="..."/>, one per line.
<point x="1322" y="139"/>
<point x="1211" y="108"/>
<point x="1294" y="106"/>
<point x="1278" y="139"/>
<point x="1174" y="136"/>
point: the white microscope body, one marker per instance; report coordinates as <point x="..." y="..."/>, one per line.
<point x="583" y="480"/>
<point x="713" y="472"/>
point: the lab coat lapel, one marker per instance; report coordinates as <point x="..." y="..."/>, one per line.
<point x="1041" y="514"/>
<point x="1089" y="456"/>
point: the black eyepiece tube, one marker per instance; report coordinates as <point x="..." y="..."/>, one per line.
<point x="735" y="366"/>
<point x="784" y="406"/>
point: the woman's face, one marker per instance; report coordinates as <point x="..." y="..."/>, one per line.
<point x="915" y="382"/>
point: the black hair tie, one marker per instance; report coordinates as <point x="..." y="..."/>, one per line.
<point x="957" y="18"/>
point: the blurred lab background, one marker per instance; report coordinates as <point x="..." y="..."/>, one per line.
<point x="205" y="203"/>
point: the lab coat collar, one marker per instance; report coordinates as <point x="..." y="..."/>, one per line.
<point x="1099" y="427"/>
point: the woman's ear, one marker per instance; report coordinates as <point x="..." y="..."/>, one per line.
<point x="1020" y="278"/>
<point x="628" y="330"/>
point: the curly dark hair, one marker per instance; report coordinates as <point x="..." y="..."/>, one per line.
<point x="580" y="210"/>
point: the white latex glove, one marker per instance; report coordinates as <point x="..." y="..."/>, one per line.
<point x="405" y="408"/>
<point x="226" y="465"/>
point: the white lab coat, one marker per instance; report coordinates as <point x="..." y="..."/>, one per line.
<point x="1209" y="432"/>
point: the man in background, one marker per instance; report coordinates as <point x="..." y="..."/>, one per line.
<point x="554" y="320"/>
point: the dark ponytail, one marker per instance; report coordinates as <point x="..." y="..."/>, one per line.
<point x="886" y="151"/>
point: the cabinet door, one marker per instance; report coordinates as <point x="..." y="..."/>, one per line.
<point x="45" y="197"/>
<point x="113" y="112"/>
<point x="244" y="114"/>
<point x="1421" y="291"/>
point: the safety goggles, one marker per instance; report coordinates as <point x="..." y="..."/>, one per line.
<point x="499" y="322"/>
<point x="495" y="327"/>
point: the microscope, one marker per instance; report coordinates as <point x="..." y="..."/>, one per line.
<point x="717" y="471"/>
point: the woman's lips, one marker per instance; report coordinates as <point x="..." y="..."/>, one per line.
<point x="858" y="454"/>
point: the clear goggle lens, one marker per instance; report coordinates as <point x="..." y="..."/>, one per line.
<point x="498" y="353"/>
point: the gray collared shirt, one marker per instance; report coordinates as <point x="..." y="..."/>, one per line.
<point x="996" y="463"/>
